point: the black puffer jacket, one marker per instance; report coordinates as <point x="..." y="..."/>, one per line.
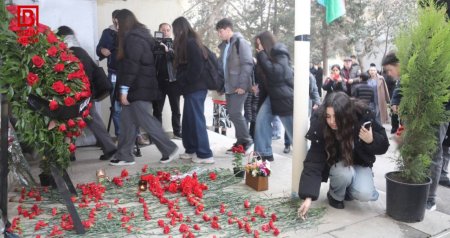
<point x="191" y="76"/>
<point x="137" y="68"/>
<point x="278" y="82"/>
<point x="316" y="168"/>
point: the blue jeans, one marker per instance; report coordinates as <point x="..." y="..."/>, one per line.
<point x="263" y="128"/>
<point x="194" y="136"/>
<point x="276" y="127"/>
<point x="116" y="107"/>
<point x="356" y="180"/>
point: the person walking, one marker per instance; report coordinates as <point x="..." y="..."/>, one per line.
<point x="276" y="93"/>
<point x="138" y="88"/>
<point x="236" y="61"/>
<point x="190" y="59"/>
<point x="381" y="95"/>
<point x="96" y="123"/>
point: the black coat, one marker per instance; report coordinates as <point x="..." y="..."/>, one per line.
<point x="108" y="40"/>
<point x="316" y="168"/>
<point x="88" y="64"/>
<point x="191" y="76"/>
<point x="278" y="82"/>
<point x="137" y="68"/>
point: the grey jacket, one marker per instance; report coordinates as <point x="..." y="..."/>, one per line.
<point x="239" y="66"/>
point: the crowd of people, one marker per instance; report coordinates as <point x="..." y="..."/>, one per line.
<point x="346" y="130"/>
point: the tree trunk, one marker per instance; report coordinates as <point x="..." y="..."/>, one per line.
<point x="325" y="48"/>
<point x="275" y="18"/>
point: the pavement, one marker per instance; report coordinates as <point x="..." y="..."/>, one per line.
<point x="358" y="219"/>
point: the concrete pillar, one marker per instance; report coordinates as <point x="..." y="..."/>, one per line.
<point x="301" y="88"/>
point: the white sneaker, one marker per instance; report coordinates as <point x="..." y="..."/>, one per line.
<point x="170" y="158"/>
<point x="209" y="160"/>
<point x="116" y="162"/>
<point x="188" y="156"/>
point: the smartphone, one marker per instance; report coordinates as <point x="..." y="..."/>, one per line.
<point x="367" y="125"/>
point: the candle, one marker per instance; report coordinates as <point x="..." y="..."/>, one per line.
<point x="101" y="175"/>
<point x="142" y="185"/>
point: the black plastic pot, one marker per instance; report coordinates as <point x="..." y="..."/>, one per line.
<point x="405" y="202"/>
<point x="47" y="180"/>
<point x="238" y="172"/>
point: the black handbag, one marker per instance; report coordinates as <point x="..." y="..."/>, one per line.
<point x="102" y="86"/>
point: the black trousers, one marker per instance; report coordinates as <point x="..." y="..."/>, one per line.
<point x="174" y="100"/>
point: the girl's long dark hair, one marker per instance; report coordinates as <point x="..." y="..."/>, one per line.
<point x="182" y="31"/>
<point x="127" y="21"/>
<point x="345" y="111"/>
<point x="267" y="41"/>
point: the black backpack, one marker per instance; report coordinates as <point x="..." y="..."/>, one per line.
<point x="214" y="80"/>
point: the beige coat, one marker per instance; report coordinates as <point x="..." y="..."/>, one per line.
<point x="383" y="99"/>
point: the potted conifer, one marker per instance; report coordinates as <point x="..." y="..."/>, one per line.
<point x="424" y="56"/>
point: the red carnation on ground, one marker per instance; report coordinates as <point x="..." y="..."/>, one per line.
<point x="246" y="204"/>
<point x="166" y="229"/>
<point x="196" y="227"/>
<point x="212" y="176"/>
<point x="144" y="168"/>
<point x="124" y="173"/>
<point x="12" y="9"/>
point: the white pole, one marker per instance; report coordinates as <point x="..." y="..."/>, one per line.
<point x="301" y="88"/>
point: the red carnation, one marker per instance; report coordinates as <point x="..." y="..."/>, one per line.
<point x="166" y="229"/>
<point x="62" y="127"/>
<point x="37" y="61"/>
<point x="161" y="223"/>
<point x="13" y="26"/>
<point x="52" y="51"/>
<point x="62" y="47"/>
<point x="42" y="28"/>
<point x="276" y="232"/>
<point x="144" y="169"/>
<point x="212" y="176"/>
<point x="32" y="79"/>
<point x="124" y="173"/>
<point x="71" y="123"/>
<point x="184" y="228"/>
<point x="273" y="217"/>
<point x="78" y="96"/>
<point x="59" y="67"/>
<point x="59" y="87"/>
<point x="12" y="9"/>
<point x="196" y="227"/>
<point x="67" y="90"/>
<point x="246" y="204"/>
<point x="81" y="123"/>
<point x="53" y="105"/>
<point x="72" y="147"/>
<point x="54" y="211"/>
<point x="23" y="40"/>
<point x="69" y="101"/>
<point x="51" y="38"/>
<point x="85" y="113"/>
